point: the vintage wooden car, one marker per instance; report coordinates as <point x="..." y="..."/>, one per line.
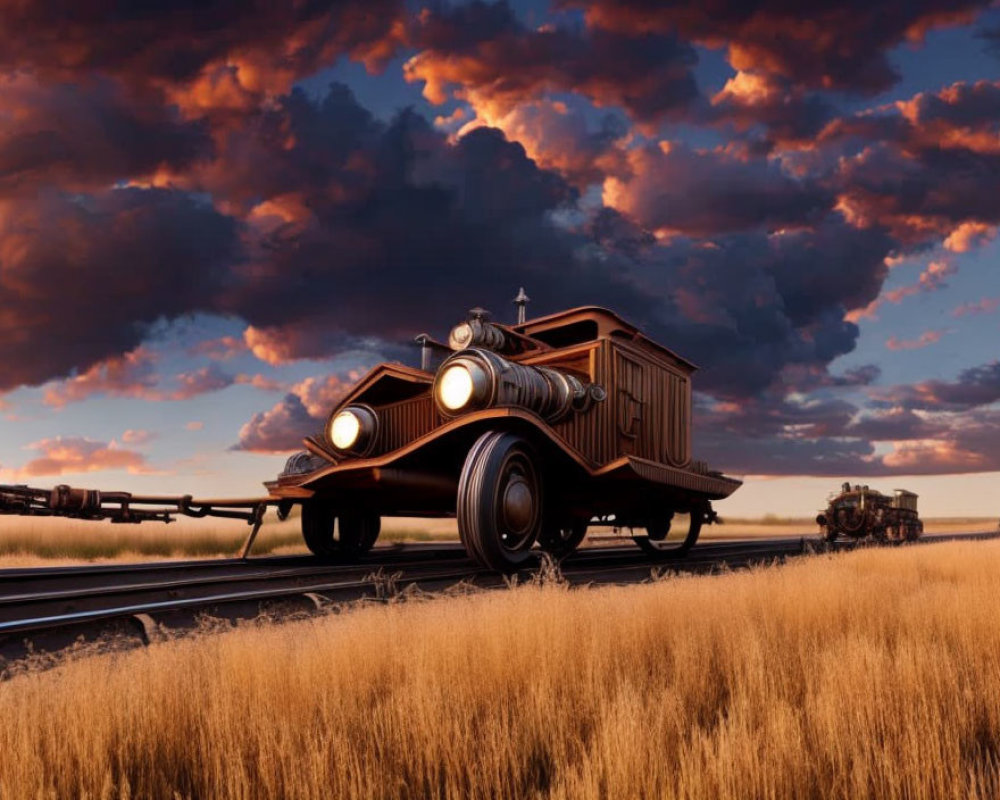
<point x="526" y="432"/>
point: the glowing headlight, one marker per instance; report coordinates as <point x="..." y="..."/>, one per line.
<point x="344" y="430"/>
<point x="455" y="387"/>
<point x="353" y="429"/>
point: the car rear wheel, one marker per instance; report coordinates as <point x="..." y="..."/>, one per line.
<point x="359" y="531"/>
<point x="669" y="537"/>
<point x="561" y="539"/>
<point x="500" y="501"/>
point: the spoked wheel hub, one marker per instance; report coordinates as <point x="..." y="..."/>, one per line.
<point x="518" y="508"/>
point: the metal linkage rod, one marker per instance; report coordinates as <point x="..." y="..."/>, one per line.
<point x="124" y="507"/>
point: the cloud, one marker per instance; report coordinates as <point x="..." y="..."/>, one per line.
<point x="155" y="44"/>
<point x="810" y="435"/>
<point x="199" y="381"/>
<point x="72" y="454"/>
<point x="895" y="425"/>
<point x="986" y="305"/>
<point x="163" y="160"/>
<point x="968" y="236"/>
<point x="85" y="276"/>
<point x="130" y="375"/>
<point x="788" y="115"/>
<point x="931" y="279"/>
<point x="923" y="340"/>
<point x="974" y="387"/>
<point x="137" y="436"/>
<point x="301" y="412"/>
<point x="561" y="139"/>
<point x="747" y="306"/>
<point x="89" y="134"/>
<point x="676" y="189"/>
<point x="260" y="381"/>
<point x="134" y="375"/>
<point x="222" y="348"/>
<point x="279" y="429"/>
<point x="925" y="167"/>
<point x="481" y="53"/>
<point x="826" y="45"/>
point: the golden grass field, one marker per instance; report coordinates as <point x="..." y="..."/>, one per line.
<point x="31" y="541"/>
<point x="869" y="674"/>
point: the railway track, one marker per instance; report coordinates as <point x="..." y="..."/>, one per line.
<point x="52" y="608"/>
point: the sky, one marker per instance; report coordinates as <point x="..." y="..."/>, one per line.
<point x="216" y="216"/>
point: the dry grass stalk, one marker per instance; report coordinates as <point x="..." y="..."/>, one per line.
<point x="875" y="673"/>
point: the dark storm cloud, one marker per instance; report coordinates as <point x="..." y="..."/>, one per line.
<point x="362" y="229"/>
<point x="484" y="52"/>
<point x="173" y="40"/>
<point x="896" y="425"/>
<point x="82" y="277"/>
<point x="773" y="435"/>
<point x="376" y="230"/>
<point x="924" y="197"/>
<point x="922" y="167"/>
<point x="679" y="189"/>
<point x="89" y="133"/>
<point x="973" y="388"/>
<point x="828" y="44"/>
<point x="746" y="306"/>
<point x="770" y="110"/>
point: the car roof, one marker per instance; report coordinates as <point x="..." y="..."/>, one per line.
<point x="608" y="323"/>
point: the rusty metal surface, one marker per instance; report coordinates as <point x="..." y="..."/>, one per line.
<point x="124" y="507"/>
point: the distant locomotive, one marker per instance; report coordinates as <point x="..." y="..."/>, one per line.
<point x="857" y="512"/>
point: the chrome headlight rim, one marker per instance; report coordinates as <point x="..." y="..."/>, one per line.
<point x="367" y="429"/>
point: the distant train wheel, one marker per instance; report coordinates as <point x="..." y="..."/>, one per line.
<point x="358" y="532"/>
<point x="318" y="522"/>
<point x="665" y="539"/>
<point x="560" y="540"/>
<point x="500" y="501"/>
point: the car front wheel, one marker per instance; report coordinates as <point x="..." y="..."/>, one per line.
<point x="500" y="500"/>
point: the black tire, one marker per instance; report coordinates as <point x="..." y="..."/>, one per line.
<point x="359" y="531"/>
<point x="655" y="543"/>
<point x="500" y="501"/>
<point x="318" y="522"/>
<point x="559" y="540"/>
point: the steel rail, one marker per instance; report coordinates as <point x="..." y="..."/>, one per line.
<point x="259" y="581"/>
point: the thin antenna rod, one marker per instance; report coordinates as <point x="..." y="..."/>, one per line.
<point x="521" y="301"/>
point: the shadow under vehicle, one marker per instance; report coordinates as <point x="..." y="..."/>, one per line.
<point x="857" y="512"/>
<point x="527" y="433"/>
